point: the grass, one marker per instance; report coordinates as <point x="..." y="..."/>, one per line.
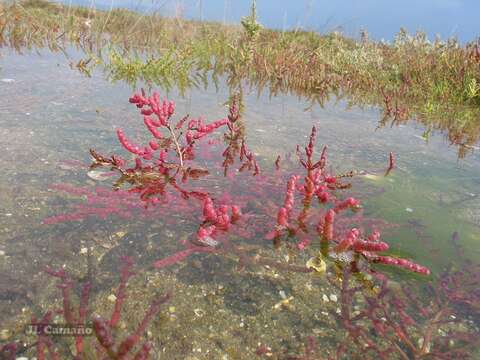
<point x="437" y="83"/>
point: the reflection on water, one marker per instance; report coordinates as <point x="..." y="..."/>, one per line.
<point x="51" y="116"/>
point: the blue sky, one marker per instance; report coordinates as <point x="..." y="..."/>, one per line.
<point x="381" y="18"/>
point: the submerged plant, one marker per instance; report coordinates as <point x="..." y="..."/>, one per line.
<point x="105" y="331"/>
<point x="309" y="218"/>
<point x="167" y="155"/>
<point x="410" y="322"/>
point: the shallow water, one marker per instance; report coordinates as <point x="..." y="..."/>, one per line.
<point x="50" y="116"/>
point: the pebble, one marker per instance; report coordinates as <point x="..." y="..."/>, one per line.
<point x="371" y="177"/>
<point x="8" y="81"/>
<point x="199" y="312"/>
<point x="98" y="175"/>
<point x="120" y="234"/>
<point x="284" y="303"/>
<point x="408" y="209"/>
<point x="325" y="298"/>
<point x="112" y="298"/>
<point x="5" y="334"/>
<point x="316" y="264"/>
<point x="333" y="298"/>
<point x="2" y="253"/>
<point x="67" y="167"/>
<point x="208" y="241"/>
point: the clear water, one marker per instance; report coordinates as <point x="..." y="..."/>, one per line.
<point x="50" y="116"/>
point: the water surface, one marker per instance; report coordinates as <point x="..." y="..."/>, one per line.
<point x="50" y="117"/>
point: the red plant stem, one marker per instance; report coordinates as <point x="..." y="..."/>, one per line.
<point x="179" y="256"/>
<point x="362" y="245"/>
<point x="391" y="163"/>
<point x="67" y="309"/>
<point x="121" y="292"/>
<point x="327" y="233"/>
<point x="43" y="340"/>
<point x="41" y="349"/>
<point x="151" y="127"/>
<point x="277" y="162"/>
<point x="209" y="212"/>
<point x="127" y="144"/>
<point x="289" y="197"/>
<point x="323" y="159"/>
<point x="8" y="351"/>
<point x="374" y="236"/>
<point x="82" y="312"/>
<point x="51" y="350"/>
<point x="104" y="335"/>
<point x="349" y="240"/>
<point x="236" y="213"/>
<point x="172" y="259"/>
<point x="65" y="285"/>
<point x="125" y="347"/>
<point x="256" y="168"/>
<point x="144" y="352"/>
<point x="347" y="203"/>
<point x="282" y="217"/>
<point x="407" y="264"/>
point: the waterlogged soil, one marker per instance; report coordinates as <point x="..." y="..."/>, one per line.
<point x="50" y="116"/>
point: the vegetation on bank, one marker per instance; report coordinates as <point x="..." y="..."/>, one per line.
<point x="437" y="83"/>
